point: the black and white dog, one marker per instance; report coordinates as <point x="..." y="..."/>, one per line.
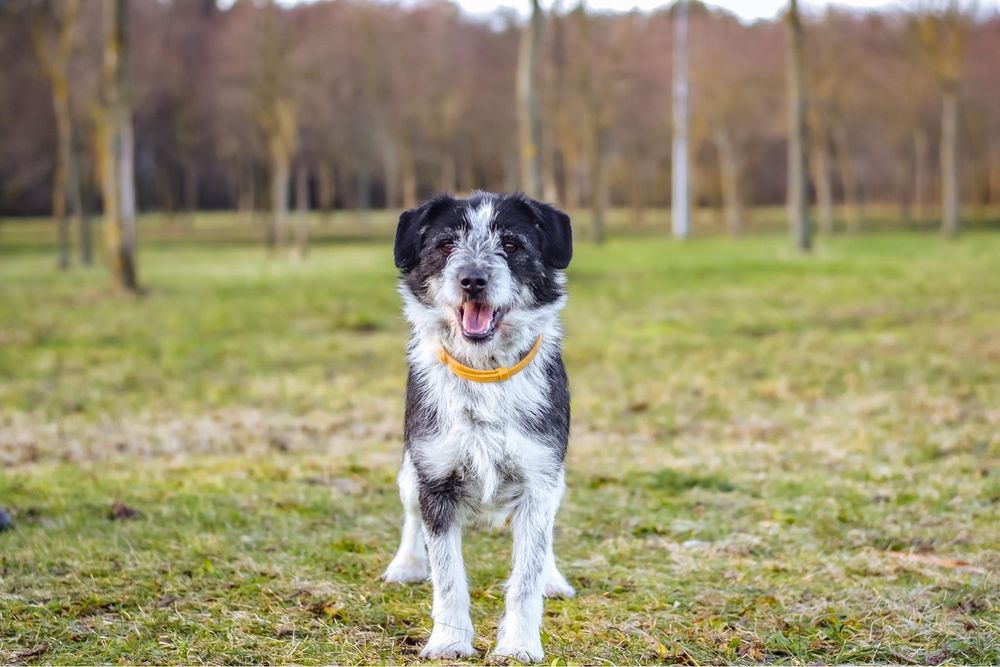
<point x="487" y="405"/>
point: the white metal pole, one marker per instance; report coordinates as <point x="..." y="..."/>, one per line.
<point x="680" y="199"/>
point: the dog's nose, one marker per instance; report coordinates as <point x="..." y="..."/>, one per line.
<point x="473" y="281"/>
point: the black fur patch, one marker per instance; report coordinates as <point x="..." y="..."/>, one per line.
<point x="412" y="226"/>
<point x="551" y="424"/>
<point x="439" y="500"/>
<point x="421" y="415"/>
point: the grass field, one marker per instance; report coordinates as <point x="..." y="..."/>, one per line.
<point x="774" y="458"/>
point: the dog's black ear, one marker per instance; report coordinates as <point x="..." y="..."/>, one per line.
<point x="407" y="246"/>
<point x="409" y="231"/>
<point x="556" y="232"/>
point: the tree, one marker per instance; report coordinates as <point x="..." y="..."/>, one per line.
<point x="839" y="81"/>
<point x="733" y="100"/>
<point x="819" y="162"/>
<point x="942" y="32"/>
<point x="279" y="121"/>
<point x="118" y="173"/>
<point x="588" y="78"/>
<point x="529" y="117"/>
<point x="66" y="176"/>
<point x="261" y="64"/>
<point x="564" y="116"/>
<point x="796" y="196"/>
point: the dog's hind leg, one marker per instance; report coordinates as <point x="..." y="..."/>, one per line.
<point x="556" y="585"/>
<point x="410" y="563"/>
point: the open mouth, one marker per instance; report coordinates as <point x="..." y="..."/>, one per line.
<point x="478" y="320"/>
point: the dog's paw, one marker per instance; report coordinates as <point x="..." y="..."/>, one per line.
<point x="406" y="571"/>
<point x="504" y="653"/>
<point x="447" y="650"/>
<point x="556" y="586"/>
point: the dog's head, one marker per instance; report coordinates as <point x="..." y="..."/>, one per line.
<point x="484" y="271"/>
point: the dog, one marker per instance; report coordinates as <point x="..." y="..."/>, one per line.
<point x="487" y="405"/>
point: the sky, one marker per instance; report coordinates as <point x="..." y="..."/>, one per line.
<point x="748" y="10"/>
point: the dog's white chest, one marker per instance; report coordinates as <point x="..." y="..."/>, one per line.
<point x="482" y="440"/>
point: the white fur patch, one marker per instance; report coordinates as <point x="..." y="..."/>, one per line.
<point x="481" y="217"/>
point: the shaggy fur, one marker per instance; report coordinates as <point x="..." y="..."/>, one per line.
<point x="483" y="278"/>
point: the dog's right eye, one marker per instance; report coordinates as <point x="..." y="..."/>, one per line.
<point x="446" y="247"/>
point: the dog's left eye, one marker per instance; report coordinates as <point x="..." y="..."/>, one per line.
<point x="510" y="247"/>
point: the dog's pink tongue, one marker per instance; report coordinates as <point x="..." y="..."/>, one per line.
<point x="476" y="317"/>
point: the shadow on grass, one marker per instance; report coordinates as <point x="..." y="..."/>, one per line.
<point x="665" y="480"/>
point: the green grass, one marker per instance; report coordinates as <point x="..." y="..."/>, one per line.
<point x="774" y="458"/>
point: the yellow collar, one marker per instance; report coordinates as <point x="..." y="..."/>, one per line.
<point x="494" y="375"/>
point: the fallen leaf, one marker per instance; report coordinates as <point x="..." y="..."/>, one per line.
<point x="120" y="511"/>
<point x="937" y="561"/>
<point x="38" y="650"/>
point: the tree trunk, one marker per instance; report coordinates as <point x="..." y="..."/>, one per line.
<point x="86" y="237"/>
<point x="390" y="173"/>
<point x="282" y="128"/>
<point x="994" y="166"/>
<point x="848" y="178"/>
<point x="797" y="203"/>
<point x="571" y="170"/>
<point x="550" y="187"/>
<point x="449" y="172"/>
<point x="598" y="182"/>
<point x="680" y="191"/>
<point x="247" y="198"/>
<point x="729" y="181"/>
<point x="165" y="190"/>
<point x="920" y="173"/>
<point x="119" y="173"/>
<point x="302" y="210"/>
<point x="408" y="167"/>
<point x="560" y="165"/>
<point x="529" y="116"/>
<point x="104" y="158"/>
<point x="595" y="137"/>
<point x="949" y="162"/>
<point x="902" y="187"/>
<point x="66" y="178"/>
<point x="510" y="170"/>
<point x="280" y="167"/>
<point x="636" y="189"/>
<point x="190" y="188"/>
<point x="820" y="162"/>
<point x="326" y="189"/>
<point x="466" y="174"/>
<point x="364" y="194"/>
<point x="980" y="195"/>
<point x="60" y="182"/>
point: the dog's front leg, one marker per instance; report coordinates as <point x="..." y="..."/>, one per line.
<point x="452" y="635"/>
<point x="519" y="635"/>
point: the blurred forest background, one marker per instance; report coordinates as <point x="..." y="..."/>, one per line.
<point x="260" y="106"/>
